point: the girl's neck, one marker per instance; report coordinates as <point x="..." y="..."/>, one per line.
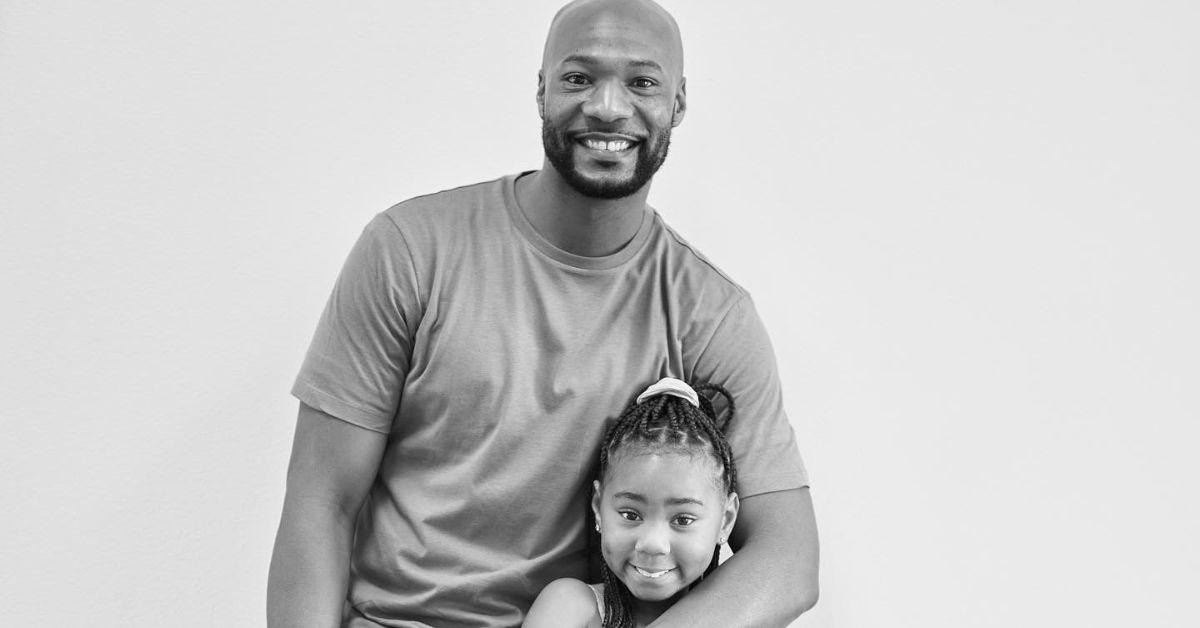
<point x="644" y="613"/>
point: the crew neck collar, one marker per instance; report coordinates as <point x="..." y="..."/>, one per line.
<point x="539" y="242"/>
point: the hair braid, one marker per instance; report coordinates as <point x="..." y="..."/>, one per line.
<point x="618" y="601"/>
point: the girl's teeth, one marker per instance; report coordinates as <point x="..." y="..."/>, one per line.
<point x="651" y="574"/>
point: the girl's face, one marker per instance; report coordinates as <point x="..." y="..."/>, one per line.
<point x="661" y="515"/>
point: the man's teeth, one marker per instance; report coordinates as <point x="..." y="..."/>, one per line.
<point x="651" y="574"/>
<point x="614" y="146"/>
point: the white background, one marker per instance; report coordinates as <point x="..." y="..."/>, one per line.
<point x="969" y="226"/>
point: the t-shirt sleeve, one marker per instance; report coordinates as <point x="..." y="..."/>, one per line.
<point x="739" y="357"/>
<point x="359" y="357"/>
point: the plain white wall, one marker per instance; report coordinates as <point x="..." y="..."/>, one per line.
<point x="969" y="226"/>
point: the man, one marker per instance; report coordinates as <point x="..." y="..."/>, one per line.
<point x="480" y="340"/>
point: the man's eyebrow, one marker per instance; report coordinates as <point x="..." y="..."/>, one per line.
<point x="591" y="60"/>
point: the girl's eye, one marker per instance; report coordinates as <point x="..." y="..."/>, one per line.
<point x="629" y="515"/>
<point x="684" y="520"/>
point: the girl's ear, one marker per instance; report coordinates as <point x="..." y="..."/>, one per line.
<point x="732" y="504"/>
<point x="596" y="499"/>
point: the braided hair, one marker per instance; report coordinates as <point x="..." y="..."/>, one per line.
<point x="664" y="422"/>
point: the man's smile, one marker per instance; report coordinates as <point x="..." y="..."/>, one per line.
<point x="612" y="147"/>
<point x="612" y="143"/>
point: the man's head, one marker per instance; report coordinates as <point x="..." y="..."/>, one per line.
<point x="610" y="90"/>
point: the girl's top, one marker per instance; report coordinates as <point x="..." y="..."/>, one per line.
<point x="598" y="592"/>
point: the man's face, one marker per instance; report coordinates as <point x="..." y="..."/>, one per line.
<point x="610" y="93"/>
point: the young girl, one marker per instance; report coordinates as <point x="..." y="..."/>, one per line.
<point x="664" y="504"/>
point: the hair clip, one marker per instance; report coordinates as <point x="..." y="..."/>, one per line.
<point x="673" y="387"/>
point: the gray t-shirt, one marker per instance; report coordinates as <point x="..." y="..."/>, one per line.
<point x="494" y="362"/>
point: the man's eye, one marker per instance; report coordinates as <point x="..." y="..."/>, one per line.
<point x="644" y="83"/>
<point x="576" y="79"/>
<point x="629" y="515"/>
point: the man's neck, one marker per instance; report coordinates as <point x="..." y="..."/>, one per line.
<point x="578" y="224"/>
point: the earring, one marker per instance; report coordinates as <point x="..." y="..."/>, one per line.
<point x="721" y="541"/>
<point x="597" y="525"/>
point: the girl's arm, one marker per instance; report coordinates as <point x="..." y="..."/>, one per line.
<point x="564" y="603"/>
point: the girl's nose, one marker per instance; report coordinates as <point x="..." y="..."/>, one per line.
<point x="654" y="540"/>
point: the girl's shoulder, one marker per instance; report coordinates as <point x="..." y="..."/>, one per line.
<point x="566" y="603"/>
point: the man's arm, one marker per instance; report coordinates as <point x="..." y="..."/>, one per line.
<point x="332" y="467"/>
<point x="771" y="578"/>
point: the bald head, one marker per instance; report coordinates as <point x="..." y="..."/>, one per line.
<point x="625" y="24"/>
<point x="610" y="90"/>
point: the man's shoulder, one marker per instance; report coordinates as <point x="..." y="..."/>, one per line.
<point x="447" y="206"/>
<point x="692" y="269"/>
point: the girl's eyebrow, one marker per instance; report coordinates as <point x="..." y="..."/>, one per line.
<point x="630" y="496"/>
<point x="639" y="498"/>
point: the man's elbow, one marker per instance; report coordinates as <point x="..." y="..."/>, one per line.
<point x="783" y="537"/>
<point x="795" y="588"/>
<point x="806" y="581"/>
<point x="807" y="600"/>
<point x="802" y="594"/>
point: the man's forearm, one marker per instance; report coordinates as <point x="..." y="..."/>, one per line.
<point x="747" y="590"/>
<point x="769" y="581"/>
<point x="309" y="567"/>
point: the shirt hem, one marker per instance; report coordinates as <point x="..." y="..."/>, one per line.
<point x="774" y="483"/>
<point x="336" y="408"/>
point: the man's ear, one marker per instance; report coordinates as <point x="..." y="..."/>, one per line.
<point x="680" y="103"/>
<point x="541" y="95"/>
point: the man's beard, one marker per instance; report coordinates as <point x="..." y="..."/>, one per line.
<point x="560" y="151"/>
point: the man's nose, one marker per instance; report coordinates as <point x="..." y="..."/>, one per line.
<point x="655" y="539"/>
<point x="609" y="102"/>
